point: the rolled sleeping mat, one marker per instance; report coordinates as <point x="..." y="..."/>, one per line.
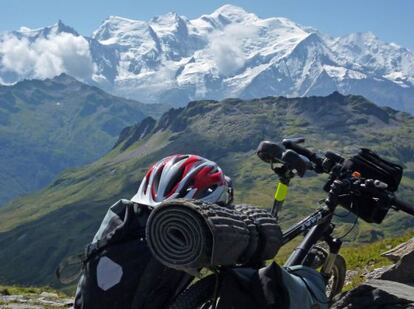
<point x="234" y="235"/>
<point x="188" y="234"/>
<point x="269" y="233"/>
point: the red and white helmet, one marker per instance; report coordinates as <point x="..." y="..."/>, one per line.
<point x="184" y="176"/>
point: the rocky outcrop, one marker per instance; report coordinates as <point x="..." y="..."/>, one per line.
<point x="403" y="269"/>
<point x="389" y="287"/>
<point x="130" y="135"/>
<point x="374" y="293"/>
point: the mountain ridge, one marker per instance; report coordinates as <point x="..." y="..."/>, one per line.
<point x="52" y="124"/>
<point x="227" y="132"/>
<point x="228" y="53"/>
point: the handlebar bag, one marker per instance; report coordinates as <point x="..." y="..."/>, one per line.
<point x="119" y="270"/>
<point x="371" y="166"/>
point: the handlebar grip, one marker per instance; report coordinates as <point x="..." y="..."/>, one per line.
<point x="297" y="162"/>
<point x="300" y="150"/>
<point x="401" y="205"/>
<point x="270" y="152"/>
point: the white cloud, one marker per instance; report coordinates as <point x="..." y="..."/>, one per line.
<point x="226" y="47"/>
<point x="46" y="57"/>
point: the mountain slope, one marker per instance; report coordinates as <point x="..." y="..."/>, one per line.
<point x="42" y="228"/>
<point x="47" y="126"/>
<point x="228" y="53"/>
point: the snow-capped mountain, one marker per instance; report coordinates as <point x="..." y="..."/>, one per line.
<point x="229" y="53"/>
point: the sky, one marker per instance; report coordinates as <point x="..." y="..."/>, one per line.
<point x="390" y="20"/>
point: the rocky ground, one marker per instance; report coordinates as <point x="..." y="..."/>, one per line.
<point x="43" y="300"/>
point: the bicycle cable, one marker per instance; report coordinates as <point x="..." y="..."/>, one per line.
<point x="350" y="230"/>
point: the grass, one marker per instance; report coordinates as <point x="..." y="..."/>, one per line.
<point x="30" y="296"/>
<point x="28" y="290"/>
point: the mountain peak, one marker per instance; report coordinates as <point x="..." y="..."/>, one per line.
<point x="61" y="27"/>
<point x="170" y="16"/>
<point x="64" y="78"/>
<point x="117" y="19"/>
<point x="120" y="30"/>
<point x="233" y="13"/>
<point x="169" y="22"/>
<point x="228" y="9"/>
<point x="57" y="28"/>
<point x="117" y="22"/>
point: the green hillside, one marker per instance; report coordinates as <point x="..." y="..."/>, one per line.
<point x="40" y="229"/>
<point x="49" y="125"/>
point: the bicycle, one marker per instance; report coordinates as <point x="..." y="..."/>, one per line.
<point x="289" y="160"/>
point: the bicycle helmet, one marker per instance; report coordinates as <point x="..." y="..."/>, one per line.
<point x="184" y="176"/>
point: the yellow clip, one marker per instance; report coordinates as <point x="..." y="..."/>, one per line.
<point x="281" y="192"/>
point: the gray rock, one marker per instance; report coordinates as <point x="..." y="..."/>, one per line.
<point x="49" y="295"/>
<point x="20" y="306"/>
<point x="403" y="270"/>
<point x="397" y="253"/>
<point x="350" y="274"/>
<point x="377" y="294"/>
<point x="378" y="272"/>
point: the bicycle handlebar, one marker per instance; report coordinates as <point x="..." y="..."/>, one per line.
<point x="404" y="206"/>
<point x="290" y="144"/>
<point x="272" y="152"/>
<point x="312" y="156"/>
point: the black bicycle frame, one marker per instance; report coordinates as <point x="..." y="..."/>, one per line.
<point x="316" y="226"/>
<point x="317" y="218"/>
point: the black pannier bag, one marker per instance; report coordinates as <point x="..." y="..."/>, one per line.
<point x="371" y="166"/>
<point x="119" y="270"/>
<point x="272" y="287"/>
